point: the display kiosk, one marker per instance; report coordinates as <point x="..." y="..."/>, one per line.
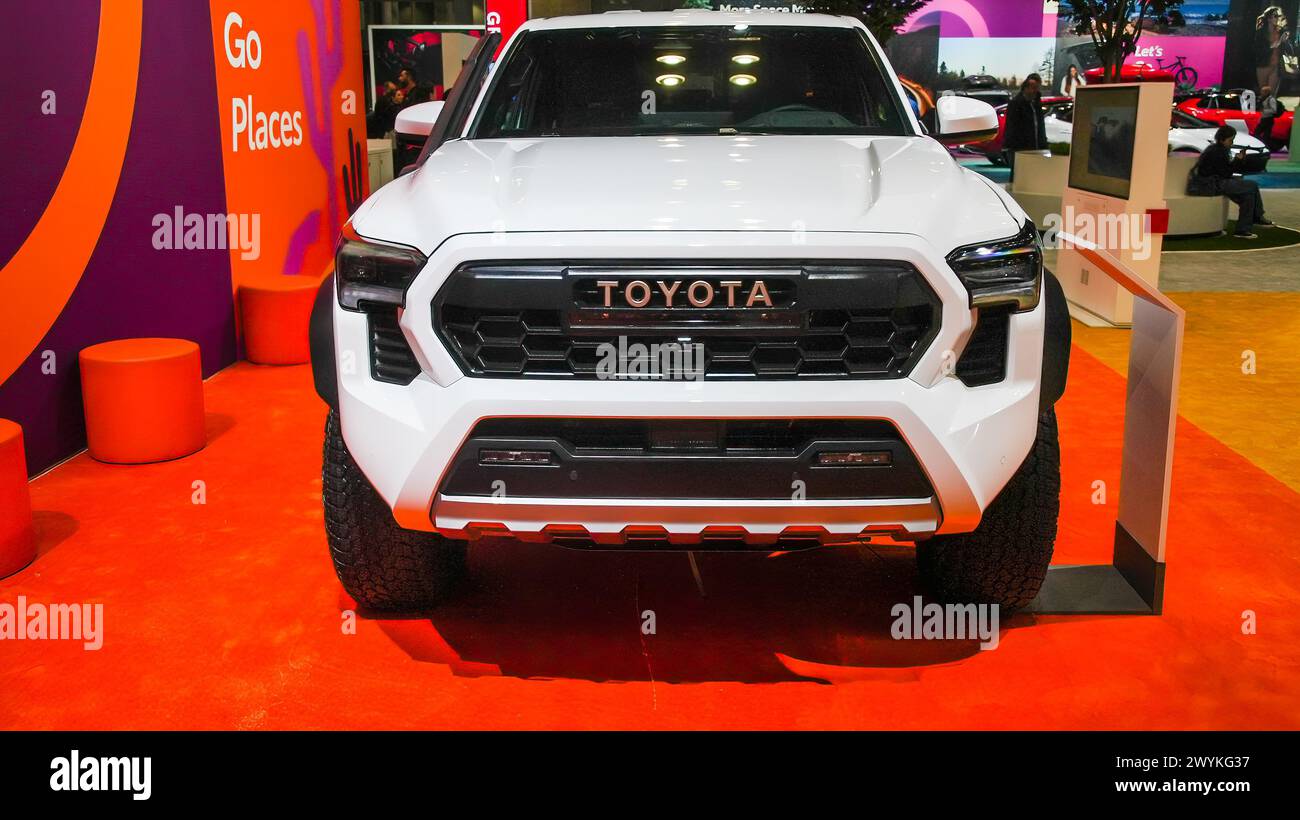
<point x="1114" y="196"/>
<point x="1134" y="582"/>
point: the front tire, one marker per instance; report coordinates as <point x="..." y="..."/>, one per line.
<point x="381" y="565"/>
<point x="1005" y="560"/>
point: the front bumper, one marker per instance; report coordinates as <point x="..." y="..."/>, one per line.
<point x="968" y="440"/>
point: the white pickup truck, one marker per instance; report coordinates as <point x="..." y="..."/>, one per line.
<point x="690" y="280"/>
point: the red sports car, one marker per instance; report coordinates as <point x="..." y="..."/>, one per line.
<point x="1222" y="106"/>
<point x="1138" y="71"/>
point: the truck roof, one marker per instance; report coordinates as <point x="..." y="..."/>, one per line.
<point x="687" y="17"/>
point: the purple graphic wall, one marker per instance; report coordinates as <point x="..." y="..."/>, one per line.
<point x="173" y="158"/>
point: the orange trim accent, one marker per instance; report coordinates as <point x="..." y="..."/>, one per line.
<point x="41" y="276"/>
<point x="1116" y="270"/>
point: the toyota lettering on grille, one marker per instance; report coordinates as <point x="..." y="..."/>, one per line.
<point x="700" y="293"/>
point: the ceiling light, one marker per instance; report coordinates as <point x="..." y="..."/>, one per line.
<point x="670" y="80"/>
<point x="671" y="59"/>
<point x="743" y="79"/>
<point x="745" y="59"/>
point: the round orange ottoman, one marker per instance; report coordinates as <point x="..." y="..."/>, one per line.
<point x="144" y="400"/>
<point x="17" y="538"/>
<point x="274" y="312"/>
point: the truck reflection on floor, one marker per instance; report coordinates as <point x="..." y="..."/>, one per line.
<point x="540" y="611"/>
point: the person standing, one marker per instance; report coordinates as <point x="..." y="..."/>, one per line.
<point x="1214" y="176"/>
<point x="1072" y="81"/>
<point x="1272" y="31"/>
<point x="1268" y="111"/>
<point x="1025" y="129"/>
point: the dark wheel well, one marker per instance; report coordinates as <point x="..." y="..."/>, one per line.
<point x="321" y="344"/>
<point x="1056" y="343"/>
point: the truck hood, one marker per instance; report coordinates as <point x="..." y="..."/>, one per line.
<point x="689" y="183"/>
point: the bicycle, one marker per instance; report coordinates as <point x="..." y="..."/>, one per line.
<point x="1185" y="76"/>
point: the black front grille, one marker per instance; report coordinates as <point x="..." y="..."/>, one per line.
<point x="738" y="437"/>
<point x="825" y="320"/>
<point x="984" y="361"/>
<point x="687" y="458"/>
<point x="391" y="359"/>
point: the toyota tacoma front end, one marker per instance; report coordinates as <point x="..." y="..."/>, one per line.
<point x="689" y="280"/>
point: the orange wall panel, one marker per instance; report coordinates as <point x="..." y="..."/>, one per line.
<point x="289" y="90"/>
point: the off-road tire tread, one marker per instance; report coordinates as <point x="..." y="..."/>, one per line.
<point x="381" y="565"/>
<point x="1005" y="560"/>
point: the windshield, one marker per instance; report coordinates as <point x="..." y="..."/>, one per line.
<point x="1181" y="120"/>
<point x="1062" y="111"/>
<point x="688" y="80"/>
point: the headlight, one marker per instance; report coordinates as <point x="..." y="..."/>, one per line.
<point x="373" y="272"/>
<point x="1002" y="272"/>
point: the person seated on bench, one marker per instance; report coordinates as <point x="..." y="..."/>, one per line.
<point x="1213" y="176"/>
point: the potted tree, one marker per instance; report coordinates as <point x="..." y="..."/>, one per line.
<point x="1115" y="26"/>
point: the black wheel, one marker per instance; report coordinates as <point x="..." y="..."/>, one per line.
<point x="1005" y="559"/>
<point x="996" y="159"/>
<point x="1185" y="78"/>
<point x="381" y="565"/>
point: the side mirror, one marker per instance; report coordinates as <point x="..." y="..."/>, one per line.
<point x="417" y="120"/>
<point x="413" y="126"/>
<point x="965" y="120"/>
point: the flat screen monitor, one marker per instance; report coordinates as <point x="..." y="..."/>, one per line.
<point x="1101" y="149"/>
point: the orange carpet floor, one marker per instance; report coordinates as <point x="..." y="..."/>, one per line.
<point x="227" y="614"/>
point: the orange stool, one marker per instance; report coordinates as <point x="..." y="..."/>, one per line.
<point x="144" y="400"/>
<point x="274" y="313"/>
<point x="17" y="538"/>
